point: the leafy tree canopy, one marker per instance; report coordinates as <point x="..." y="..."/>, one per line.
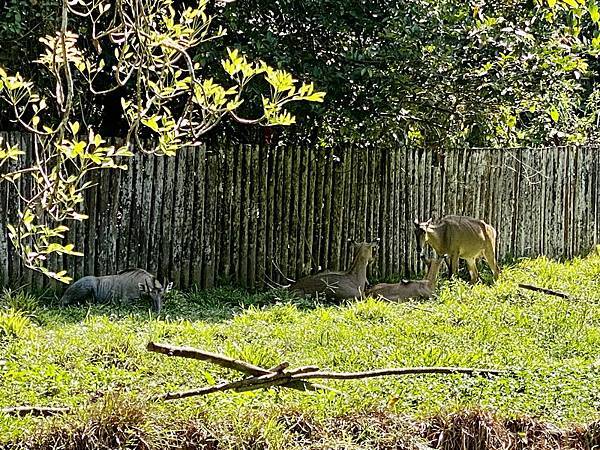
<point x="428" y="72"/>
<point x="437" y="72"/>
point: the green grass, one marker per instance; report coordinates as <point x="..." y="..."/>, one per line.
<point x="94" y="358"/>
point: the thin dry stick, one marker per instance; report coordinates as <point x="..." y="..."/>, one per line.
<point x="38" y="411"/>
<point x="269" y="380"/>
<point x="544" y="290"/>
<point x="396" y="371"/>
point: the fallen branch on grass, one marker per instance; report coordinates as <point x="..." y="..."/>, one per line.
<point x="229" y="363"/>
<point x="279" y="375"/>
<point x="38" y="411"/>
<point x="543" y="290"/>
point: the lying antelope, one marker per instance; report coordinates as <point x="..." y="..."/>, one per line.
<point x="130" y="284"/>
<point x="409" y="289"/>
<point x="459" y="237"/>
<point x="340" y="285"/>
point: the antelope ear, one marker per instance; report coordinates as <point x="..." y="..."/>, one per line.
<point x="142" y="287"/>
<point x="429" y="222"/>
<point x="417" y="223"/>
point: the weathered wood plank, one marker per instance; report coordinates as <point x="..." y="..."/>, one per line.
<point x="178" y="217"/>
<point x="167" y="217"/>
<point x="253" y="213"/>
<point x="270" y="232"/>
<point x="155" y="261"/>
<point x="346" y="234"/>
<point x="261" y="189"/>
<point x="188" y="221"/>
<point x="226" y="194"/>
<point x="293" y="206"/>
<point x="123" y="216"/>
<point x="303" y="182"/>
<point x="318" y="209"/>
<point x="245" y="212"/>
<point x="209" y="232"/>
<point x="198" y="216"/>
<point x="327" y="198"/>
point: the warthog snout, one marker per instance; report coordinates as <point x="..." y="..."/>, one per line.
<point x="155" y="290"/>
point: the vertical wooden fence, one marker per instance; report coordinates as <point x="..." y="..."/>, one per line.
<point x="243" y="213"/>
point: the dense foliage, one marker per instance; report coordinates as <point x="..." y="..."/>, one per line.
<point x="438" y="73"/>
<point x="429" y="72"/>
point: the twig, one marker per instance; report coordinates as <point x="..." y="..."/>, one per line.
<point x="38" y="411"/>
<point x="396" y="371"/>
<point x="544" y="290"/>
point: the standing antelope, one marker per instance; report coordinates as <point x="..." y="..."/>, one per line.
<point x="340" y="285"/>
<point x="459" y="237"/>
<point x="129" y="284"/>
<point x="411" y="288"/>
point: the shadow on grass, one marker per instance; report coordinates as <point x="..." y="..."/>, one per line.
<point x="209" y="305"/>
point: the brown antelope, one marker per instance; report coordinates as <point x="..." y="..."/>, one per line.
<point x="340" y="285"/>
<point x="459" y="237"/>
<point x="409" y="289"/>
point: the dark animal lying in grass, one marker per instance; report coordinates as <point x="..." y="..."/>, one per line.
<point x="409" y="289"/>
<point x="340" y="285"/>
<point x="130" y="284"/>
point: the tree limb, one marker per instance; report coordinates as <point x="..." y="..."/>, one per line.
<point x="224" y="361"/>
<point x="214" y="358"/>
<point x="294" y="378"/>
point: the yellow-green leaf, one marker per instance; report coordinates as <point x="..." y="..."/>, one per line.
<point x="122" y="151"/>
<point x="78" y="149"/>
<point x="594" y="13"/>
<point x="74" y="128"/>
<point x="316" y="97"/>
<point x="152" y="123"/>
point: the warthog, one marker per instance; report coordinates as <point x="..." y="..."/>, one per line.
<point x="459" y="237"/>
<point x="409" y="288"/>
<point x="129" y="284"/>
<point x="340" y="285"/>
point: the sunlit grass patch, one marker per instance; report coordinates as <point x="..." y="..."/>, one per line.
<point x="78" y="356"/>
